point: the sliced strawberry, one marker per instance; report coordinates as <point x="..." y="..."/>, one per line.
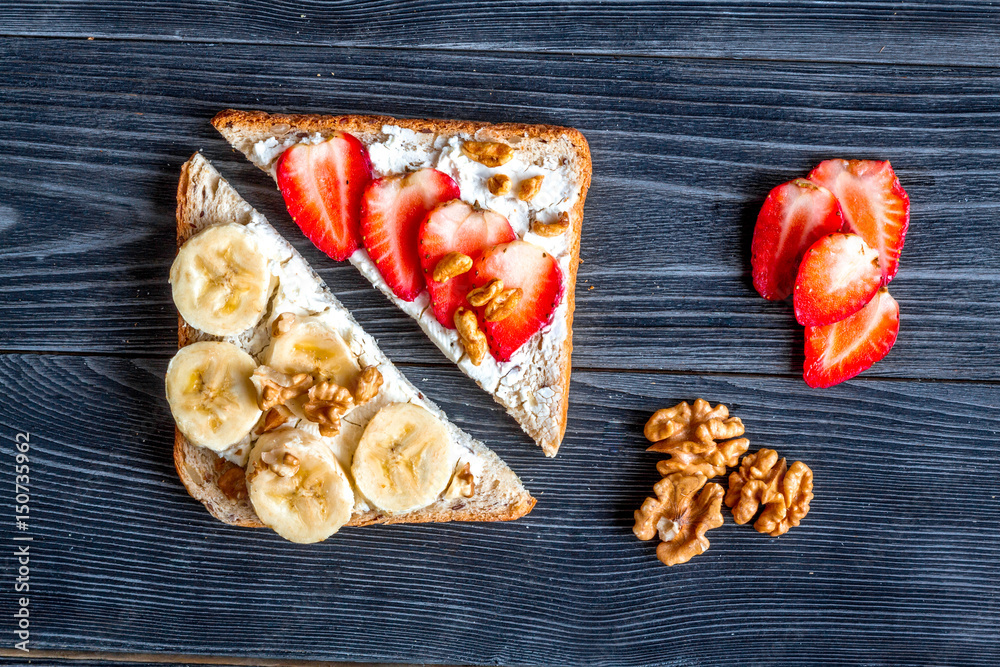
<point x="839" y="274"/>
<point x="457" y="227"/>
<point x="392" y="209"/>
<point x="875" y="205"/>
<point x="322" y="186"/>
<point x="794" y="216"/>
<point x="839" y="351"/>
<point x="523" y="265"/>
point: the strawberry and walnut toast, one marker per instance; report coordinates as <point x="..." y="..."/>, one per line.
<point x="473" y="229"/>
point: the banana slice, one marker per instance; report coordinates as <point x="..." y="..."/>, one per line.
<point x="309" y="346"/>
<point x="298" y="487"/>
<point x="210" y="393"/>
<point x="220" y="280"/>
<point x="404" y="459"/>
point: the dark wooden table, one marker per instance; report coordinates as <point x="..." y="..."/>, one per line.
<point x="693" y="110"/>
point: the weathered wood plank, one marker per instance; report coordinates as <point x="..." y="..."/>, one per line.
<point x="684" y="152"/>
<point x="895" y="564"/>
<point x="957" y="33"/>
<point x="38" y="658"/>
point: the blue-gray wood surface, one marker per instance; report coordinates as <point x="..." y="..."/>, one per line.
<point x="693" y="110"/>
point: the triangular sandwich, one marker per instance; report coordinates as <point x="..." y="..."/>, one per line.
<point x="288" y="414"/>
<point x="472" y="229"/>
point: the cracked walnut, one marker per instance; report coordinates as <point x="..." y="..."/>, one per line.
<point x="699" y="438"/>
<point x="684" y="509"/>
<point x="765" y="480"/>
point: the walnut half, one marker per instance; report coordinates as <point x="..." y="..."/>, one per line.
<point x="233" y="483"/>
<point x="529" y="187"/>
<point x="451" y="265"/>
<point x="369" y="382"/>
<point x="277" y="388"/>
<point x="503" y="304"/>
<point x="691" y="436"/>
<point x="550" y="229"/>
<point x="490" y="153"/>
<point x="472" y="339"/>
<point x="764" y="479"/>
<point x="685" y="508"/>
<point x="499" y="184"/>
<point x="327" y="403"/>
<point x="463" y="483"/>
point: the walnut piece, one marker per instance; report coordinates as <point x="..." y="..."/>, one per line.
<point x="463" y="483"/>
<point x="327" y="403"/>
<point x="473" y="340"/>
<point x="499" y="184"/>
<point x="529" y="187"/>
<point x="503" y="304"/>
<point x="691" y="435"/>
<point x="282" y="324"/>
<point x="282" y="464"/>
<point x="764" y="479"/>
<point x="276" y="388"/>
<point x="681" y="515"/>
<point x="490" y="153"/>
<point x="483" y="295"/>
<point x="369" y="382"/>
<point x="233" y="483"/>
<point x="451" y="265"/>
<point x="550" y="229"/>
<point x="274" y="418"/>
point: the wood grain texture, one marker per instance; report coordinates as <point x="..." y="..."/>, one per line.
<point x="895" y="564"/>
<point x="105" y="658"/>
<point x="684" y="152"/>
<point x="927" y="31"/>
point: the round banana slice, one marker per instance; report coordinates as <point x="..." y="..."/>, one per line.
<point x="298" y="487"/>
<point x="404" y="459"/>
<point x="309" y="346"/>
<point x="220" y="280"/>
<point x="210" y="393"/>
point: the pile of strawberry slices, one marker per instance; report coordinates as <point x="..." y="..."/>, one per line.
<point x="409" y="224"/>
<point x="832" y="240"/>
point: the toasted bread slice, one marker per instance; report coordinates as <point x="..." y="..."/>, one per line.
<point x="534" y="385"/>
<point x="204" y="198"/>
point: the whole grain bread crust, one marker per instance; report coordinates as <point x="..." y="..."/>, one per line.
<point x="261" y="122"/>
<point x="201" y="470"/>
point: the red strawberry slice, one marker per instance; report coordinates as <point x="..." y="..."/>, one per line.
<point x="457" y="227"/>
<point x="794" y="216"/>
<point x="392" y="209"/>
<point x="875" y="205"/>
<point x="839" y="351"/>
<point x="519" y="264"/>
<point x="839" y="274"/>
<point x="322" y="186"/>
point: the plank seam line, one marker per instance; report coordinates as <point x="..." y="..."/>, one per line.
<point x="518" y="52"/>
<point x="576" y="369"/>
<point x="181" y="658"/>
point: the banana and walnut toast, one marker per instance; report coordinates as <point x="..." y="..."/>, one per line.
<point x="288" y="414"/>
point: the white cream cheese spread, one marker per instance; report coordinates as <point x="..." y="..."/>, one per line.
<point x="398" y="150"/>
<point x="298" y="290"/>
